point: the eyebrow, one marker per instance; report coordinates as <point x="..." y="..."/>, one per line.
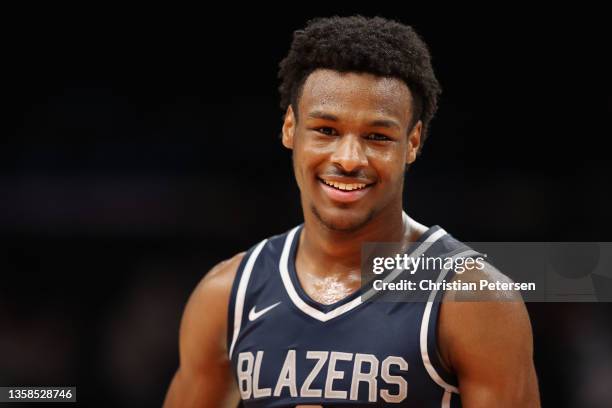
<point x="323" y="115"/>
<point x="386" y="123"/>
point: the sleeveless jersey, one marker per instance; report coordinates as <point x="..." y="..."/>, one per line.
<point x="288" y="350"/>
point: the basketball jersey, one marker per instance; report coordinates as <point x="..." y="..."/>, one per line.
<point x="288" y="350"/>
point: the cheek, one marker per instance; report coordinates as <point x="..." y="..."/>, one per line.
<point x="390" y="165"/>
<point x="298" y="169"/>
<point x="305" y="161"/>
<point x="309" y="155"/>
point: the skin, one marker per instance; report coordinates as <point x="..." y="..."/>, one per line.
<point x="499" y="371"/>
<point x="204" y="377"/>
<point x="349" y="128"/>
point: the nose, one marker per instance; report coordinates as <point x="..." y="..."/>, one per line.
<point x="349" y="153"/>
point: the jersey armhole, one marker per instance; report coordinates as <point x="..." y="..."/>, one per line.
<point x="450" y="382"/>
<point x="232" y="299"/>
<point x="429" y="330"/>
<point x="237" y="295"/>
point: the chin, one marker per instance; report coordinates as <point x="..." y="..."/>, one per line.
<point x="343" y="219"/>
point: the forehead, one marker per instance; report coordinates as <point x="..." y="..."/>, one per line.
<point x="326" y="89"/>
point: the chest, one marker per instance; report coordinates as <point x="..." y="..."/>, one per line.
<point x="370" y="355"/>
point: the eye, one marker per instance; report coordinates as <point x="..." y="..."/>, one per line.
<point x="378" y="137"/>
<point x="326" y="131"/>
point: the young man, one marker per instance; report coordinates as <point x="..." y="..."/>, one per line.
<point x="285" y="323"/>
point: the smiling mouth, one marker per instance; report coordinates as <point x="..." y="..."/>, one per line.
<point x="344" y="186"/>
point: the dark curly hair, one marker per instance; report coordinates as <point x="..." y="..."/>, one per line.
<point x="358" y="44"/>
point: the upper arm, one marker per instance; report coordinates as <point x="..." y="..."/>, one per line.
<point x="204" y="375"/>
<point x="488" y="343"/>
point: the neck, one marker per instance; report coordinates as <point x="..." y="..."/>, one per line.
<point x="339" y="251"/>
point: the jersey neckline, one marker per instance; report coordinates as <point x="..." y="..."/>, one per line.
<point x="310" y="306"/>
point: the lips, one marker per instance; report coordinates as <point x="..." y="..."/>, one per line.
<point x="346" y="191"/>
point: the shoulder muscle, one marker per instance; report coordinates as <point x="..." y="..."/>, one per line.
<point x="204" y="375"/>
<point x="204" y="322"/>
<point x="486" y="338"/>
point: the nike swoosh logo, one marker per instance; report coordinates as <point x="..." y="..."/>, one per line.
<point x="253" y="315"/>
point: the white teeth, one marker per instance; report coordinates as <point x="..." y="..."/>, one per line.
<point x="344" y="186"/>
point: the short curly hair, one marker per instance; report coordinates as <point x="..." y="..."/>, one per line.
<point x="359" y="44"/>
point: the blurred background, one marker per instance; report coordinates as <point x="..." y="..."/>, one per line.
<point x="140" y="148"/>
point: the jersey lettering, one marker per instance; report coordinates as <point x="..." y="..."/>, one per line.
<point x="368" y="377"/>
<point x="394" y="379"/>
<point x="333" y="374"/>
<point x="365" y="369"/>
<point x="259" y="392"/>
<point x="286" y="378"/>
<point x="321" y="356"/>
<point x="245" y="374"/>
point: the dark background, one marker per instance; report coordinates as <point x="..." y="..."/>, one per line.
<point x="140" y="148"/>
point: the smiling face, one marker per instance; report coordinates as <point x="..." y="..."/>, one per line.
<point x="351" y="141"/>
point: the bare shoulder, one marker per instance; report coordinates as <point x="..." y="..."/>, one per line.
<point x="218" y="281"/>
<point x="204" y="376"/>
<point x="204" y="322"/>
<point x="476" y="275"/>
<point x="485" y="337"/>
<point x="482" y="312"/>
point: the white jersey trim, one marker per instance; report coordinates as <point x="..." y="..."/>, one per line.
<point x="241" y="293"/>
<point x="425" y="330"/>
<point x="326" y="316"/>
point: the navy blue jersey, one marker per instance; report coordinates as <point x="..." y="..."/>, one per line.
<point x="287" y="349"/>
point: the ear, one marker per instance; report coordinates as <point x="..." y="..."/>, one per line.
<point x="414" y="142"/>
<point x="288" y="128"/>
